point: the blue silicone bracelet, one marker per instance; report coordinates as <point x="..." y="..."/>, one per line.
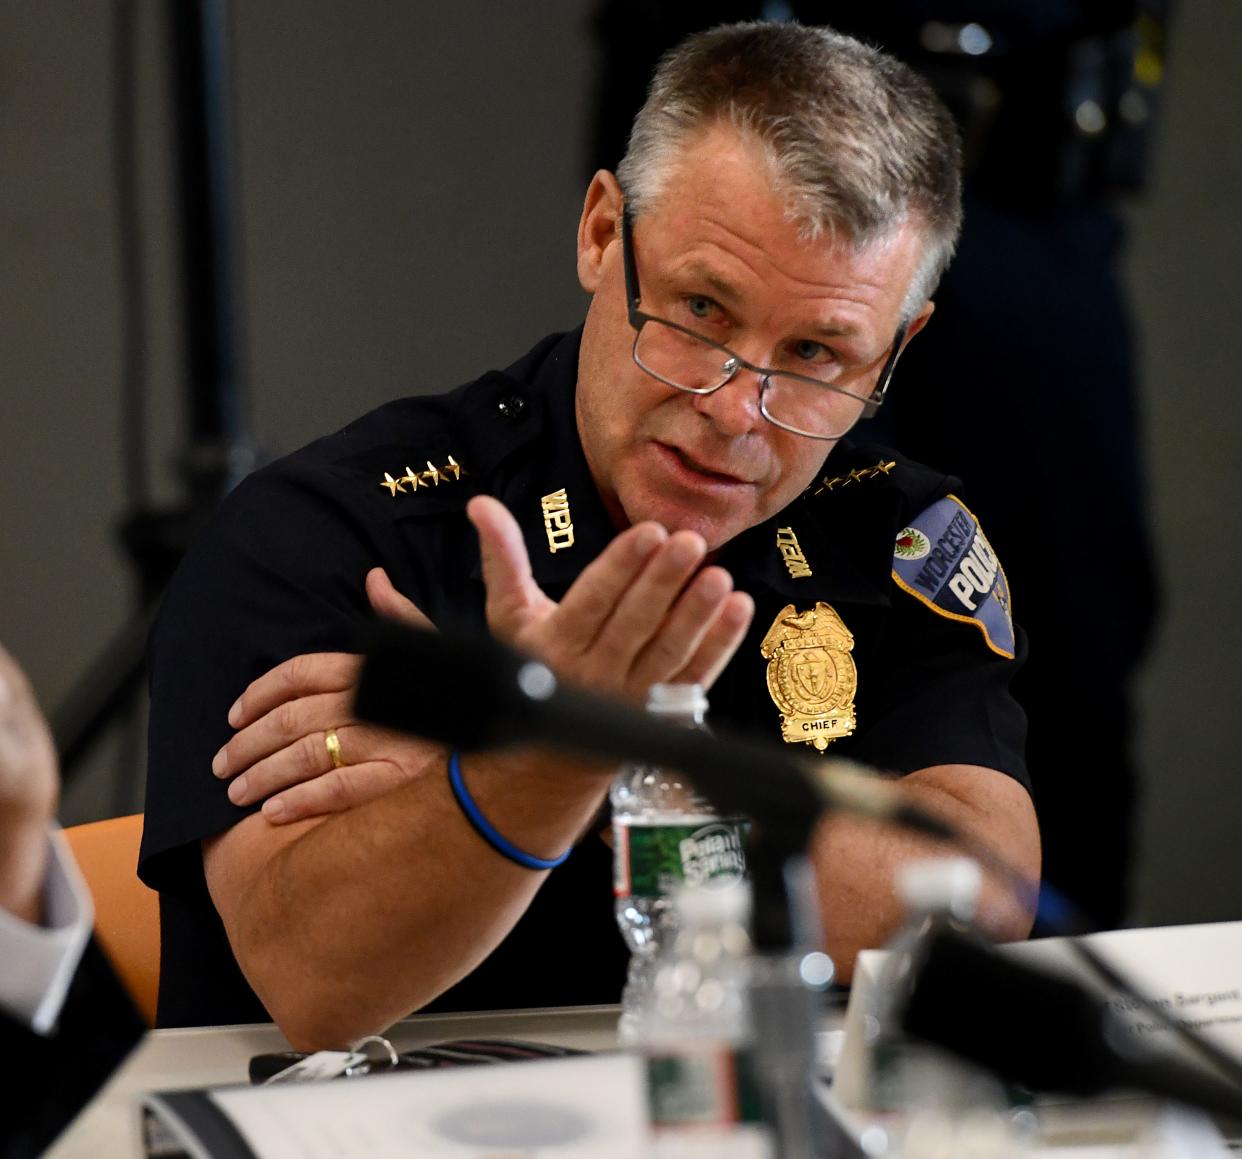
<point x="484" y="829"/>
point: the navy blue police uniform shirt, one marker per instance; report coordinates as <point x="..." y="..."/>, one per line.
<point x="280" y="572"/>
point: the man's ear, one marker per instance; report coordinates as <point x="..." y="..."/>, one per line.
<point x="919" y="321"/>
<point x="599" y="228"/>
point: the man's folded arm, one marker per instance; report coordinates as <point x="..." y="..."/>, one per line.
<point x="344" y="924"/>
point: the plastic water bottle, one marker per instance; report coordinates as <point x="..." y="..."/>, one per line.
<point x="933" y="890"/>
<point x="943" y="1105"/>
<point x="695" y="1033"/>
<point x="664" y="833"/>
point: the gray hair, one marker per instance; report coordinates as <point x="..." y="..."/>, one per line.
<point x="857" y="142"/>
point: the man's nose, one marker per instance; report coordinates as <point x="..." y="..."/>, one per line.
<point x="734" y="407"/>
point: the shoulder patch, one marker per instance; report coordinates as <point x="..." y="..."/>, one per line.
<point x="944" y="560"/>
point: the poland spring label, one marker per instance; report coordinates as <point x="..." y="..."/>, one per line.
<point x="709" y="1086"/>
<point x="652" y="859"/>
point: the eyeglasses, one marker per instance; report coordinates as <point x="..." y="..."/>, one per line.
<point x="819" y="408"/>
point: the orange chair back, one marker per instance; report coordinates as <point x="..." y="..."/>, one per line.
<point x="127" y="913"/>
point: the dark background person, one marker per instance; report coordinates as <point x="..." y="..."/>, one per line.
<point x="65" y="1021"/>
<point x="1026" y="384"/>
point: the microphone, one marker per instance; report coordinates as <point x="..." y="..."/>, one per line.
<point x="474" y="693"/>
<point x="1041" y="1030"/>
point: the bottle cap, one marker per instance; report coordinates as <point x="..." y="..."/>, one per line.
<point x="681" y="698"/>
<point x="941" y="885"/>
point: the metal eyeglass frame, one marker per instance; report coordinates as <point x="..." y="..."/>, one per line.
<point x="735" y="362"/>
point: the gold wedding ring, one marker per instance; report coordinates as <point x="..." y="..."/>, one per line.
<point x="333" y="744"/>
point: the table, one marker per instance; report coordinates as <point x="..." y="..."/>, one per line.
<point x="214" y="1055"/>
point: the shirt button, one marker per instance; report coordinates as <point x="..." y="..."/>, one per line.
<point x="512" y="406"/>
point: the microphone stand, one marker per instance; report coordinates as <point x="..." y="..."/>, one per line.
<point x="526" y="704"/>
<point x="783" y="1005"/>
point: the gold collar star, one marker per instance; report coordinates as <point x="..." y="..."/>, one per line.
<point x="393" y="485"/>
<point x="857" y="475"/>
<point x="432" y="477"/>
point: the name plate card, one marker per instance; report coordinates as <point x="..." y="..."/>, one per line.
<point x="1192" y="973"/>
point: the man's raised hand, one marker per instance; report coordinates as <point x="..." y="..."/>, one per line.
<point x="646" y="610"/>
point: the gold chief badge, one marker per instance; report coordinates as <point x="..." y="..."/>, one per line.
<point x="811" y="675"/>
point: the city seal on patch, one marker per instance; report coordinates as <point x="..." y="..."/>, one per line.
<point x="944" y="560"/>
<point x="911" y="544"/>
<point x="811" y="675"/>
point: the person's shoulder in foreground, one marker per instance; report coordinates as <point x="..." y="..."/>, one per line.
<point x="766" y="249"/>
<point x="65" y="1022"/>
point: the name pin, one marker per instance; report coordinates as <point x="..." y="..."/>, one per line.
<point x="557" y="521"/>
<point x="791" y="552"/>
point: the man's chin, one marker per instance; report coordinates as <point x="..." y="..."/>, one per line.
<point x="716" y="528"/>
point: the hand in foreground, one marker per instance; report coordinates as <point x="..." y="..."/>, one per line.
<point x="29" y="788"/>
<point x="280" y="751"/>
<point x="645" y="611"/>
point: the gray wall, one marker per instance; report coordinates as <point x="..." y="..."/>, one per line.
<point x="1187" y="246"/>
<point x="409" y="184"/>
